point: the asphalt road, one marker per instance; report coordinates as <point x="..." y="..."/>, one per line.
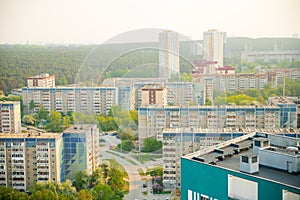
<point x="135" y="180"/>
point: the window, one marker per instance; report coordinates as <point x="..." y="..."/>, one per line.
<point x="239" y="187"/>
<point x="287" y="195"/>
<point x="254" y="159"/>
<point x="244" y="159"/>
<point x="257" y="143"/>
<point x="203" y="197"/>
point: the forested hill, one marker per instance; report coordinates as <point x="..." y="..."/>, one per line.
<point x="17" y="62"/>
<point x="234" y="46"/>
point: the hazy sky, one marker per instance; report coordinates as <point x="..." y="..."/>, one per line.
<point x="95" y="21"/>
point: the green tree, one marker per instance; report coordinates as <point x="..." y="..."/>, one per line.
<point x="82" y="180"/>
<point x="151" y="144"/>
<point x="66" y="122"/>
<point x="55" y="124"/>
<point x="240" y="99"/>
<point x="105" y="170"/>
<point x="29" y="119"/>
<point x="7" y="193"/>
<point x="42" y="113"/>
<point x="31" y="105"/>
<point x="126" y="145"/>
<point x="134" y="116"/>
<point x="208" y="102"/>
<point x="96" y="177"/>
<point x="66" y="190"/>
<point x="103" y="192"/>
<point x="84" y="195"/>
<point x="116" y="179"/>
<point x="126" y="134"/>
<point x="114" y="111"/>
<point x="45" y="191"/>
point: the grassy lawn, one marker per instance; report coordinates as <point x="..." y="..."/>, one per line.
<point x="146" y="157"/>
<point x="155" y="170"/>
<point x="141" y="172"/>
<point x="115" y="154"/>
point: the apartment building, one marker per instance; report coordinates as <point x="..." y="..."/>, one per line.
<point x="10" y="117"/>
<point x="42" y="80"/>
<point x="178" y="93"/>
<point x="81" y="150"/>
<point x="181" y="93"/>
<point x="178" y="142"/>
<point x="168" y="54"/>
<point x="254" y="166"/>
<point x="277" y="77"/>
<point x="125" y="97"/>
<point x="88" y="100"/>
<point x="41" y="157"/>
<point x="213" y="46"/>
<point x="152" y="120"/>
<point x="154" y="95"/>
<point x="231" y="82"/>
<point x="268" y="56"/>
<point x="28" y="158"/>
<point x="286" y="103"/>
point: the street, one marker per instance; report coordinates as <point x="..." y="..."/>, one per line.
<point x="136" y="190"/>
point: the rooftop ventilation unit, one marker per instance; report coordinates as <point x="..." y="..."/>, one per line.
<point x="260" y="143"/>
<point x="249" y="164"/>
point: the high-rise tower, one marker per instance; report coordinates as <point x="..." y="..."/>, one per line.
<point x="168" y="54"/>
<point x="213" y="46"/>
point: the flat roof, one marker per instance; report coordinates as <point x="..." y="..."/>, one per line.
<point x="227" y="155"/>
<point x="232" y="130"/>
<point x="10" y="102"/>
<point x="29" y="135"/>
<point x="79" y="128"/>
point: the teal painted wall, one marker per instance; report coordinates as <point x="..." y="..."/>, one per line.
<point x="213" y="182"/>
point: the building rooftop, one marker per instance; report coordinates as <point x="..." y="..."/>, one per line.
<point x="153" y="86"/>
<point x="30" y="135"/>
<point x="10" y="102"/>
<point x="283" y="100"/>
<point x="79" y="128"/>
<point x="273" y="52"/>
<point x="44" y="75"/>
<point x="212" y="107"/>
<point x="227" y="155"/>
<point x="232" y="130"/>
<point x="225" y="68"/>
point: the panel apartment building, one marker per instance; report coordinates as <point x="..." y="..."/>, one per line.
<point x="81" y="150"/>
<point x="41" y="157"/>
<point x="244" y="81"/>
<point x="42" y="80"/>
<point x="10" y="117"/>
<point x="27" y="158"/>
<point x="88" y="100"/>
<point x="152" y="120"/>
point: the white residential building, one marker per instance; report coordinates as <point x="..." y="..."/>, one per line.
<point x="168" y="54"/>
<point x="213" y="46"/>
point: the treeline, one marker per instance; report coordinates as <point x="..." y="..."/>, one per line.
<point x="106" y="182"/>
<point x="17" y="63"/>
<point x="115" y="120"/>
<point x="74" y="64"/>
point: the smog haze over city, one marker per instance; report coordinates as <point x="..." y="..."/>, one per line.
<point x="149" y="100"/>
<point x="93" y="22"/>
